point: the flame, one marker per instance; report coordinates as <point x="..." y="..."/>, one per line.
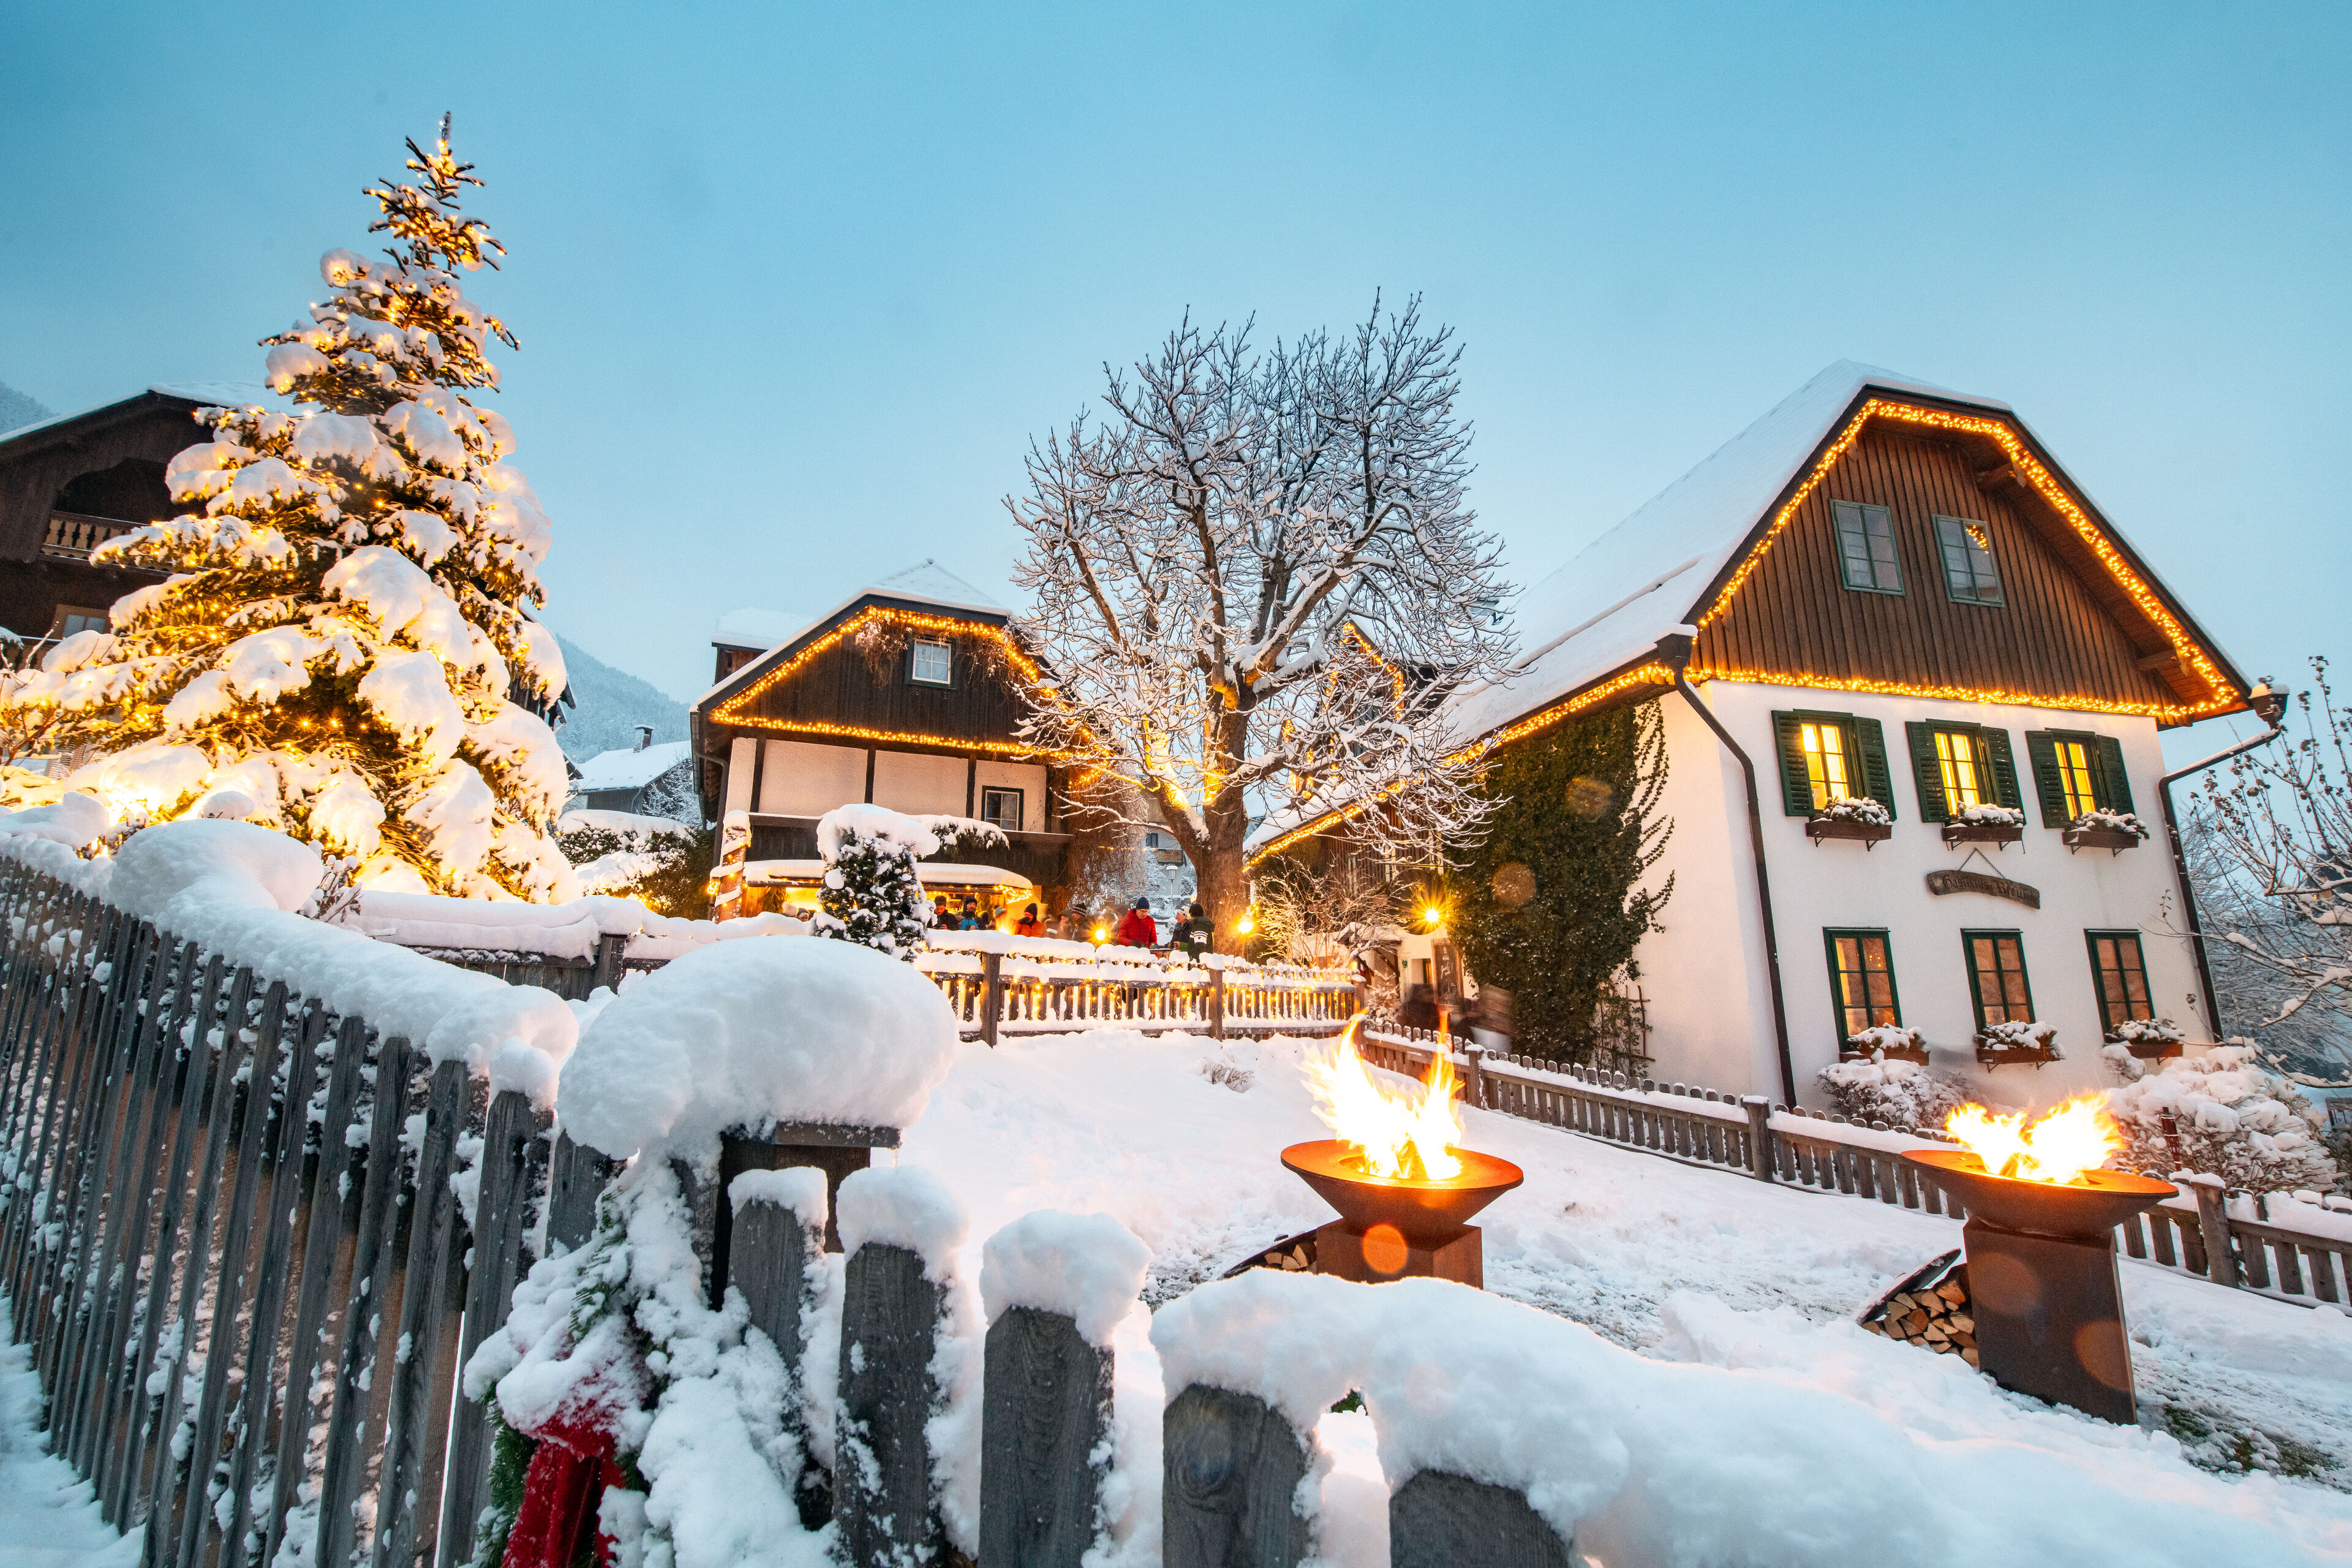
<point x="1407" y="1135"/>
<point x="2078" y="1136"/>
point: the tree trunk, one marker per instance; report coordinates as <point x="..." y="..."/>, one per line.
<point x="1222" y="874"/>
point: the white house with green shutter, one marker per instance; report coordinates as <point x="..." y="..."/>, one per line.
<point x="1860" y="616"/>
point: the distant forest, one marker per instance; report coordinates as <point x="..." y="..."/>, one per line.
<point x="610" y="705"/>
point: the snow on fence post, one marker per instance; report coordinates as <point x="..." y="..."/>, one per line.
<point x="1234" y="1465"/>
<point x="2213" y="1224"/>
<point x="1054" y="1286"/>
<point x="902" y="1229"/>
<point x="1762" y="1157"/>
<point x="775" y="1258"/>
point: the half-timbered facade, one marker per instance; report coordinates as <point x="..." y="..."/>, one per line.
<point x="1884" y="590"/>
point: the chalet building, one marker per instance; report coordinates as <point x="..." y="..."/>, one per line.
<point x="68" y="484"/>
<point x="644" y="779"/>
<point x="1887" y="590"/>
<point x="909" y="695"/>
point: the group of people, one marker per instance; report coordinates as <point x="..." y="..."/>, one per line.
<point x="1136" y="928"/>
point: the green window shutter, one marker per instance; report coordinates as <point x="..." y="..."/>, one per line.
<point x="1796" y="787"/>
<point x="2041" y="751"/>
<point x="1926" y="772"/>
<point x="1870" y="741"/>
<point x="2004" y="768"/>
<point x="2114" y="784"/>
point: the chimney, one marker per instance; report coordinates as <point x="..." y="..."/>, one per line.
<point x="644" y="736"/>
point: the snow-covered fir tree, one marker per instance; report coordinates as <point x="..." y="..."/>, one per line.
<point x="345" y="647"/>
<point x="871" y="893"/>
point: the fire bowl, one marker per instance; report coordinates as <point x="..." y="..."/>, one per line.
<point x="1420" y="1211"/>
<point x="2085" y="1213"/>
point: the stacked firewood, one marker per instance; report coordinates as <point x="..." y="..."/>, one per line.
<point x="1929" y="1312"/>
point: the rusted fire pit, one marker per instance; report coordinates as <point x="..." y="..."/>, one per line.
<point x="1397" y="1228"/>
<point x="2042" y="1284"/>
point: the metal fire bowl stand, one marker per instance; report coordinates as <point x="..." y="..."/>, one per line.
<point x="1392" y="1228"/>
<point x="2042" y="1286"/>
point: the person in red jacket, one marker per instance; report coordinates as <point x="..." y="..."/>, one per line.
<point x="1136" y="928"/>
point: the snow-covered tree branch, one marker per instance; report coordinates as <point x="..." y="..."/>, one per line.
<point x="1255" y="575"/>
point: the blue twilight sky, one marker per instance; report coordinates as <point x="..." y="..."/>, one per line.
<point x="796" y="285"/>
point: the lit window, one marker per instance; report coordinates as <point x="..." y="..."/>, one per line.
<point x="1959" y="756"/>
<point x="1002" y="808"/>
<point x="1969" y="577"/>
<point x="1997" y="977"/>
<point x="1866" y="547"/>
<point x="931" y="663"/>
<point x="70" y="619"/>
<point x="1862" y="981"/>
<point x="1825" y="766"/>
<point x="2075" y="777"/>
<point x="2122" y="978"/>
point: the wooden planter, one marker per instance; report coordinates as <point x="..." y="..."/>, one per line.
<point x="1981" y="832"/>
<point x="1892" y="1053"/>
<point x="2150" y="1050"/>
<point x="2116" y="840"/>
<point x="1993" y="1055"/>
<point x="1867" y="833"/>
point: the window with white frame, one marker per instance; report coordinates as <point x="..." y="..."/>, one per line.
<point x="933" y="664"/>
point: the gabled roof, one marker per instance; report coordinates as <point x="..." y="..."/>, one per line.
<point x="1675" y="561"/>
<point x="629" y="767"/>
<point x="925" y="582"/>
<point x="753" y="627"/>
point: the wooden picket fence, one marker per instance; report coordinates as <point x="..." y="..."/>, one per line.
<point x="2195" y="1233"/>
<point x="994" y="997"/>
<point x="231" y="1237"/>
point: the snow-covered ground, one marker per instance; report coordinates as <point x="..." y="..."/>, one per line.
<point x="48" y="1519"/>
<point x="1629" y="1244"/>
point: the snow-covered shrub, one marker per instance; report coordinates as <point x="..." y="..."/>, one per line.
<point x="22" y="787"/>
<point x="2022" y="1034"/>
<point x="660" y="861"/>
<point x="1987" y="814"/>
<point x="1902" y="1094"/>
<point x="871" y="894"/>
<point x="2231" y="1117"/>
<point x="1882" y="1037"/>
<point x="2113" y="822"/>
<point x="2146" y="1032"/>
<point x="1856" y="808"/>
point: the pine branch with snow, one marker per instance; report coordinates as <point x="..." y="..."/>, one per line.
<point x="346" y="636"/>
<point x="1255" y="579"/>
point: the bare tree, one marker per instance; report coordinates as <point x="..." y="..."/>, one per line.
<point x="2272" y="842"/>
<point x="1255" y="576"/>
<point x="1329" y="914"/>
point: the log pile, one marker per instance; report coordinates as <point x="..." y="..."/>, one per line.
<point x="1928" y="1311"/>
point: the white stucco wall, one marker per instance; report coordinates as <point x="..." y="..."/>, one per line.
<point x="1700" y="996"/>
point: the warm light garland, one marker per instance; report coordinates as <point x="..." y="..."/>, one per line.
<point x="2163" y="712"/>
<point x="2225" y="698"/>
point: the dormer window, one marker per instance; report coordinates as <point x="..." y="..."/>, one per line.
<point x="1866" y="547"/>
<point x="932" y="665"/>
<point x="1970" y="576"/>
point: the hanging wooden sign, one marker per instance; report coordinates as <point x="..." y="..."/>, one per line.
<point x="1978" y="882"/>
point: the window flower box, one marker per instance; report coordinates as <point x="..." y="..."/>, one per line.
<point x="2113" y="831"/>
<point x="2150" y="1039"/>
<point x="1860" y="818"/>
<point x="1985" y="824"/>
<point x="2020" y="1044"/>
<point x="1886" y="1042"/>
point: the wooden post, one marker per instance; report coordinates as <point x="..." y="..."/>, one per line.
<point x="408" y="1496"/>
<point x="1473" y="1082"/>
<point x="2213" y="1224"/>
<point x="1045" y="1440"/>
<point x="991" y="994"/>
<point x="1763" y="1158"/>
<point x="1232" y="1471"/>
<point x="1217" y="1003"/>
<point x="882" y="1502"/>
<point x="606" y="972"/>
<point x="575" y="1177"/>
<point x="1441" y="1520"/>
<point x="773" y="1261"/>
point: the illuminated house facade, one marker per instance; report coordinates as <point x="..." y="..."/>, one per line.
<point x="1884" y="589"/>
<point x="908" y="695"/>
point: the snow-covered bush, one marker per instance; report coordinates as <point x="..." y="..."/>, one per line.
<point x="1900" y="1093"/>
<point x="2022" y="1034"/>
<point x="2146" y="1032"/>
<point x="1855" y="808"/>
<point x="2231" y="1117"/>
<point x="660" y="861"/>
<point x="2112" y="821"/>
<point x="1987" y="814"/>
<point x="871" y="894"/>
<point x="1882" y="1037"/>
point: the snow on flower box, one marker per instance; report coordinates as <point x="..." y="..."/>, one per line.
<point x="2113" y="831"/>
<point x="1985" y="824"/>
<point x="1848" y="817"/>
<point x="2150" y="1039"/>
<point x="1886" y="1042"/>
<point x="2017" y="1044"/>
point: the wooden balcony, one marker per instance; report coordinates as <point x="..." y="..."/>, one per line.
<point x="72" y="535"/>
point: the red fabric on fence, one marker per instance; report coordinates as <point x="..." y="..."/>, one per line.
<point x="561" y="1492"/>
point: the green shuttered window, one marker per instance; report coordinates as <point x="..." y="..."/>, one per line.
<point x="1862" y="981"/>
<point x="1826" y="755"/>
<point x="1954" y="766"/>
<point x="1866" y="547"/>
<point x="2076" y="772"/>
<point x="1996" y="961"/>
<point x="2121" y="977"/>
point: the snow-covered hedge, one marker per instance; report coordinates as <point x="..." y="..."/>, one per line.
<point x="2231" y="1117"/>
<point x="1900" y="1093"/>
<point x="557" y="931"/>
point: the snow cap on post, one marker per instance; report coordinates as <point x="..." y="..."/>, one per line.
<point x="748" y="1034"/>
<point x="904" y="1206"/>
<point x="797" y="1188"/>
<point x="1085" y="1267"/>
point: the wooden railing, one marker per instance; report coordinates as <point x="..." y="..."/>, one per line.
<point x="73" y="534"/>
<point x="2196" y="1232"/>
<point x="995" y="994"/>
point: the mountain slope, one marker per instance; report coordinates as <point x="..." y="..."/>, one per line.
<point x="610" y="705"/>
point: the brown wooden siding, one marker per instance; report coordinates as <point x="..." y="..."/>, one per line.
<point x="862" y="681"/>
<point x="2053" y="638"/>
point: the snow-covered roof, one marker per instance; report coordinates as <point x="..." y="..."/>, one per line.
<point x="925" y="583"/>
<point x="629" y="769"/>
<point x="224" y="394"/>
<point x="751" y="626"/>
<point x="1618" y="595"/>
